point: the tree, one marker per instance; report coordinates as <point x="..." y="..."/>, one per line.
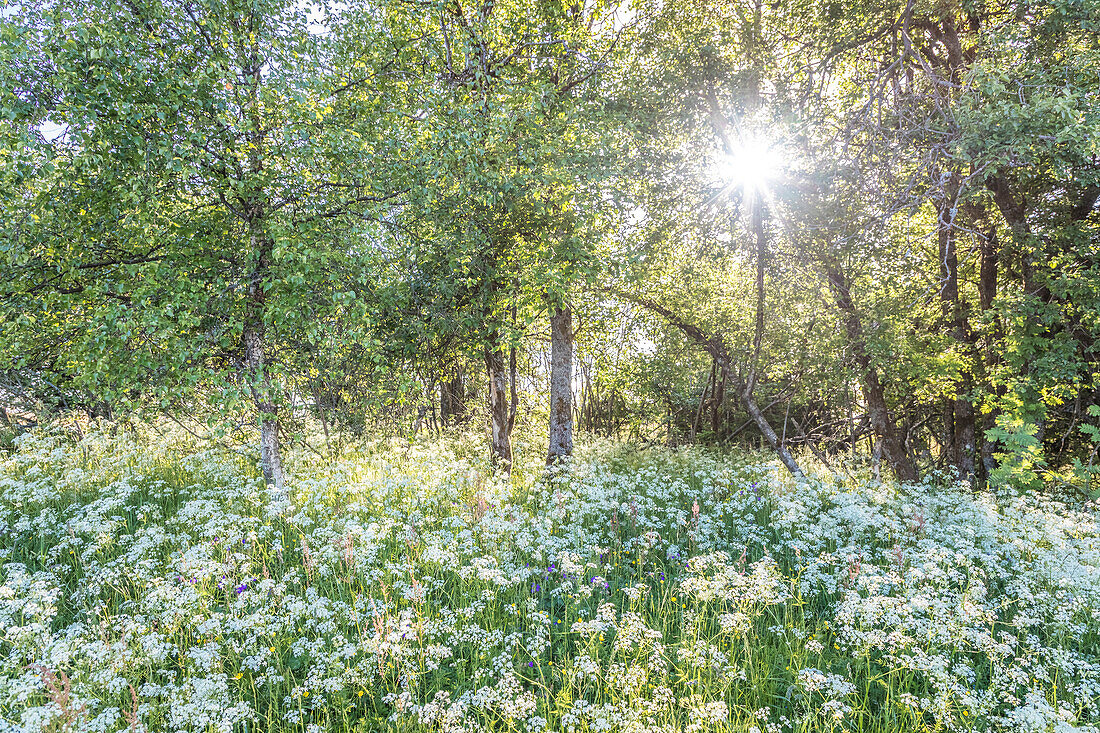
<point x="182" y="222"/>
<point x="501" y="230"/>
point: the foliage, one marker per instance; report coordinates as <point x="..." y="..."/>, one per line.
<point x="202" y="160"/>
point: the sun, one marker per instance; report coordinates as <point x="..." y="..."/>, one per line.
<point x="753" y="166"/>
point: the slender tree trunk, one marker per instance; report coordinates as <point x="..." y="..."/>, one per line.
<point x="761" y="251"/>
<point x="317" y="402"/>
<point x="717" y="399"/>
<point x="987" y="292"/>
<point x="874" y="394"/>
<point x="446" y="400"/>
<point x="949" y="293"/>
<point x="513" y="383"/>
<point x="959" y="428"/>
<point x="747" y="399"/>
<point x="769" y="434"/>
<point x="452" y="398"/>
<point x="255" y="210"/>
<point x="561" y="384"/>
<point x="513" y="389"/>
<point x="703" y="399"/>
<point x="500" y="440"/>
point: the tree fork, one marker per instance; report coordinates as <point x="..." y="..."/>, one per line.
<point x="873" y="391"/>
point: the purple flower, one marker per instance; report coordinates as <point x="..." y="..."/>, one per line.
<point x="241" y="588"/>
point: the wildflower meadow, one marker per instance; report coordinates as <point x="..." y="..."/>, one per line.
<point x="151" y="583"/>
<point x="543" y="366"/>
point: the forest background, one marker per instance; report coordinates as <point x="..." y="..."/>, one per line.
<point x="828" y="227"/>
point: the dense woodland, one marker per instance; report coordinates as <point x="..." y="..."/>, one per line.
<point x="830" y="228"/>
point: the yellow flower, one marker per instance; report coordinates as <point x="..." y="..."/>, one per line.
<point x="238" y="675"/>
<point x="360" y="693"/>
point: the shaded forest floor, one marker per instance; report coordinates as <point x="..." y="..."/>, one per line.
<point x="149" y="583"/>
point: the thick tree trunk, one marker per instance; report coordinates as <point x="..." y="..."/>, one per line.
<point x="271" y="461"/>
<point x="561" y="384"/>
<point x="874" y="394"/>
<point x="965" y="432"/>
<point x="500" y="440"/>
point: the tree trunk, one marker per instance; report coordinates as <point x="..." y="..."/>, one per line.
<point x="769" y="434"/>
<point x="987" y="292"/>
<point x="965" y="432"/>
<point x="874" y="394"/>
<point x="959" y="427"/>
<point x="876" y="459"/>
<point x="751" y="407"/>
<point x="717" y="399"/>
<point x="949" y="294"/>
<point x="254" y="213"/>
<point x="501" y="442"/>
<point x="707" y="387"/>
<point x="271" y="461"/>
<point x="513" y="389"/>
<point x="561" y="384"/>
